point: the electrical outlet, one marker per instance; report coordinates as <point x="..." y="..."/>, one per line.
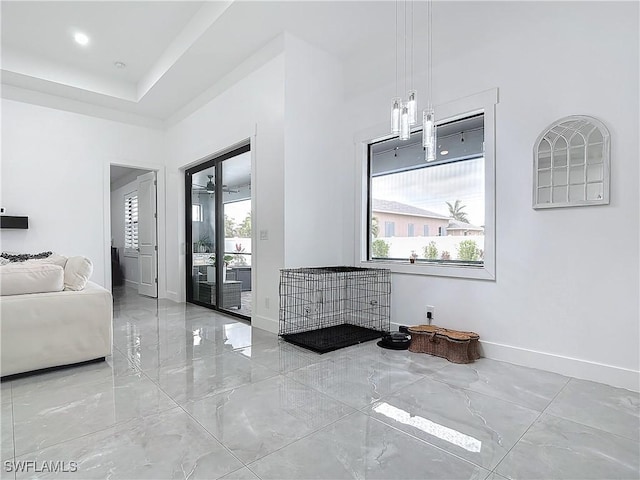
<point x="430" y="312"/>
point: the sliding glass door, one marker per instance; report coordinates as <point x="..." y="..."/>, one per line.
<point x="218" y="232"/>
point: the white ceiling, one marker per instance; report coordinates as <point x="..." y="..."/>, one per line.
<point x="135" y="33"/>
<point x="175" y="51"/>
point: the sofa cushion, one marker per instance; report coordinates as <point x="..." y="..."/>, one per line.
<point x="23" y="278"/>
<point x="53" y="258"/>
<point x="77" y="272"/>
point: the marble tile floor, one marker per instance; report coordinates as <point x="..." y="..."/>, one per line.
<point x="192" y="394"/>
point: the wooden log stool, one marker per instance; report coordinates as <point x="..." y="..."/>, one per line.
<point x="454" y="345"/>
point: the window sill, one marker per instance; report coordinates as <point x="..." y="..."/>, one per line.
<point x="479" y="272"/>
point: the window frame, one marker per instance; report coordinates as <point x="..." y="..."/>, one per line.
<point x="483" y="102"/>
<point x="130" y="251"/>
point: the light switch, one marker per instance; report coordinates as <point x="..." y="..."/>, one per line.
<point x="264" y="234"/>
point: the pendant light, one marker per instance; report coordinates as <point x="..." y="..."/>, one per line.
<point x="396" y="102"/>
<point x="396" y="107"/>
<point x="428" y="115"/>
<point x="405" y="131"/>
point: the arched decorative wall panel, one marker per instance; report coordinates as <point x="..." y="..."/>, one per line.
<point x="571" y="164"/>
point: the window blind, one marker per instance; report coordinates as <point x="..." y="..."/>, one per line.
<point x="131" y="222"/>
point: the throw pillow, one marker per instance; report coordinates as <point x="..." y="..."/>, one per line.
<point x="77" y="272"/>
<point x="21" y="257"/>
<point x="54" y="258"/>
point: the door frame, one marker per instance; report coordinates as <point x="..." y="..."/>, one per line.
<point x="212" y="161"/>
<point x="160" y="221"/>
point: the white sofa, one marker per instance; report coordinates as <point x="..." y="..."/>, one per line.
<point x="50" y="329"/>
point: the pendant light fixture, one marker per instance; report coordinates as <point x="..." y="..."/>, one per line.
<point x="428" y="115"/>
<point x="405" y="131"/>
<point x="404" y="114"/>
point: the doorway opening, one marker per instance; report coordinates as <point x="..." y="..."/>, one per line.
<point x="134" y="247"/>
<point x="218" y="233"/>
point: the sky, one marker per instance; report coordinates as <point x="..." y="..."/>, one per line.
<point x="431" y="187"/>
<point x="238" y="211"/>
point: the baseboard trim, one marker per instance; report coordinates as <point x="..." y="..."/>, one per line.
<point x="131" y="283"/>
<point x="172" y="296"/>
<point x="264" y="323"/>
<point x="569" y="366"/>
<point x="572" y="367"/>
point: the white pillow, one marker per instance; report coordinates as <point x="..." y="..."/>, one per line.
<point x="77" y="272"/>
<point x="53" y="258"/>
<point x="19" y="278"/>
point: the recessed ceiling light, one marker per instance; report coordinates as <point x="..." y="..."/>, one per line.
<point x="120" y="64"/>
<point x="444" y="152"/>
<point x="81" y="38"/>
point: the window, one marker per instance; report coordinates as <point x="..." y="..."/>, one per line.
<point x="451" y="188"/>
<point x="131" y="224"/>
<point x="196" y="213"/>
<point x="389" y="229"/>
<point x="454" y="193"/>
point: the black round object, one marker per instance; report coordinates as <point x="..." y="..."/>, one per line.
<point x="395" y="341"/>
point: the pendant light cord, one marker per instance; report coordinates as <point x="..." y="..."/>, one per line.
<point x="397" y="91"/>
<point x="405" y="45"/>
<point x="430" y="48"/>
<point x="411" y="75"/>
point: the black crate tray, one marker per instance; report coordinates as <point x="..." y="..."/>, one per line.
<point x="327" y="339"/>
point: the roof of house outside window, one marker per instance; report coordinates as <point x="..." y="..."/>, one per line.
<point x="388" y="206"/>
<point x="458" y="225"/>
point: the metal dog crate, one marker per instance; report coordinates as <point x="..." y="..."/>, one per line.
<point x="327" y="308"/>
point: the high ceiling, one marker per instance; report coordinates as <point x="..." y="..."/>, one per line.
<point x="175" y="50"/>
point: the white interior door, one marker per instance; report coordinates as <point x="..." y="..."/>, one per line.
<point x="147" y="244"/>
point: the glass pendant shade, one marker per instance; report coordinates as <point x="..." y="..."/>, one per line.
<point x="429" y="134"/>
<point x="412" y="106"/>
<point x="404" y="123"/>
<point x="396" y="107"/>
<point x="430" y="153"/>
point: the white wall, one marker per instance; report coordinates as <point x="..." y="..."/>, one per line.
<point x="291" y="102"/>
<point x="251" y="108"/>
<point x="316" y="148"/>
<point x="54" y="169"/>
<point x="567" y="288"/>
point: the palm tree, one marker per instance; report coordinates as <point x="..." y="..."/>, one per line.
<point x="375" y="227"/>
<point x="456" y="211"/>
